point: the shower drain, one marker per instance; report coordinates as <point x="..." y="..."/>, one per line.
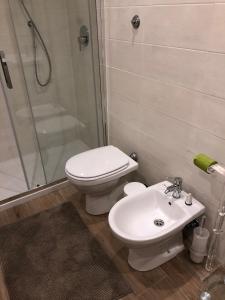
<point x="159" y="222"/>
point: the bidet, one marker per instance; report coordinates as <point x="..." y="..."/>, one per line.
<point x="151" y="227"/>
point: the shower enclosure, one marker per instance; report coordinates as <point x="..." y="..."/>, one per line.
<point x="51" y="89"/>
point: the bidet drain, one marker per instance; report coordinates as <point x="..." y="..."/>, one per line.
<point x="159" y="222"/>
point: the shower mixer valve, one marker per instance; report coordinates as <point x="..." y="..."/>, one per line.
<point x="83" y="39"/>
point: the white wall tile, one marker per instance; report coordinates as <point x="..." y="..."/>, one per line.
<point x="127" y="3"/>
<point x="192" y="69"/>
<point x="187" y="26"/>
<point x="166" y="88"/>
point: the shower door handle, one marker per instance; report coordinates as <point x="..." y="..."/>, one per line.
<point x="5" y="70"/>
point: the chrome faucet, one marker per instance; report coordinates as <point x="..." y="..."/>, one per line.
<point x="176" y="187"/>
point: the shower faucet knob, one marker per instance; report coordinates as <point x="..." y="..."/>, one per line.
<point x="83" y="39"/>
<point x="136" y="22"/>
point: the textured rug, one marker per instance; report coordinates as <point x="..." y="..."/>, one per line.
<point x="52" y="256"/>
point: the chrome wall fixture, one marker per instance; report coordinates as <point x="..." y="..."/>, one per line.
<point x="136" y="22"/>
<point x="83" y="38"/>
<point x="134" y="156"/>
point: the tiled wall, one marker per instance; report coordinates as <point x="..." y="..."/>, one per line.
<point x="166" y="88"/>
<point x="72" y="86"/>
<point x="51" y="19"/>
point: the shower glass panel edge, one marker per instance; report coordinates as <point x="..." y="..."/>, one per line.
<point x="24" y="136"/>
<point x="14" y="135"/>
<point x="100" y="53"/>
<point x="98" y="69"/>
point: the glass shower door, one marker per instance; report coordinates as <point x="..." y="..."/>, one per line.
<point x="12" y="179"/>
<point x="61" y="71"/>
<point x="19" y="150"/>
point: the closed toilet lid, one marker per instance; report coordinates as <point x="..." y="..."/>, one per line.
<point x="97" y="162"/>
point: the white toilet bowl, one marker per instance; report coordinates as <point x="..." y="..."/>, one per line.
<point x="151" y="225"/>
<point x="97" y="173"/>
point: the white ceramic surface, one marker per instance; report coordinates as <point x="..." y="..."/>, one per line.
<point x="132" y="221"/>
<point x="157" y="90"/>
<point x="97" y="162"/>
<point x="99" y="172"/>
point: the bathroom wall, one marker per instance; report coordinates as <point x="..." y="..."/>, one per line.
<point x="71" y="92"/>
<point x="166" y="88"/>
<point x="72" y="85"/>
<point x="51" y="18"/>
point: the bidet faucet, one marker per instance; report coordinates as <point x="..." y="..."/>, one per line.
<point x="176" y="187"/>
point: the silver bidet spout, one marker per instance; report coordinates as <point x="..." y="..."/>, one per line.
<point x="176" y="187"/>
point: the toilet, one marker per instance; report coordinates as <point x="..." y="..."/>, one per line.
<point x="97" y="174"/>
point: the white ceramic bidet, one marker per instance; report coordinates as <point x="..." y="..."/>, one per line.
<point x="150" y="224"/>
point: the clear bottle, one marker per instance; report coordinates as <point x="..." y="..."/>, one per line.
<point x="213" y="248"/>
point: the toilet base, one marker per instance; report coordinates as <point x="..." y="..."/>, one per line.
<point x="101" y="204"/>
<point x="154" y="255"/>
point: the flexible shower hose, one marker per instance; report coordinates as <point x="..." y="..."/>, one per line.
<point x="36" y="36"/>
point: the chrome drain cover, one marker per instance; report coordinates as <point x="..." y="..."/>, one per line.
<point x="159" y="222"/>
<point x="205" y="296"/>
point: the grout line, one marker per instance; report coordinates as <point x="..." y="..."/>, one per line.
<point x="165" y="4"/>
<point x="164" y="46"/>
<point x="196" y="127"/>
<point x="166" y="82"/>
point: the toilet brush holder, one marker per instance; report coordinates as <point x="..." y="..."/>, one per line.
<point x="199" y="245"/>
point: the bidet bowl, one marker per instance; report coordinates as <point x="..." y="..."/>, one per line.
<point x="150" y="224"/>
<point x="151" y="216"/>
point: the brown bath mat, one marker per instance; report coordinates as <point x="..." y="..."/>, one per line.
<point x="53" y="256"/>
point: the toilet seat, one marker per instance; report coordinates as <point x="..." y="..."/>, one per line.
<point x="97" y="177"/>
<point x="97" y="163"/>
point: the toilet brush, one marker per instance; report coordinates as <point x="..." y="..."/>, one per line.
<point x="198" y="248"/>
<point x="202" y="225"/>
